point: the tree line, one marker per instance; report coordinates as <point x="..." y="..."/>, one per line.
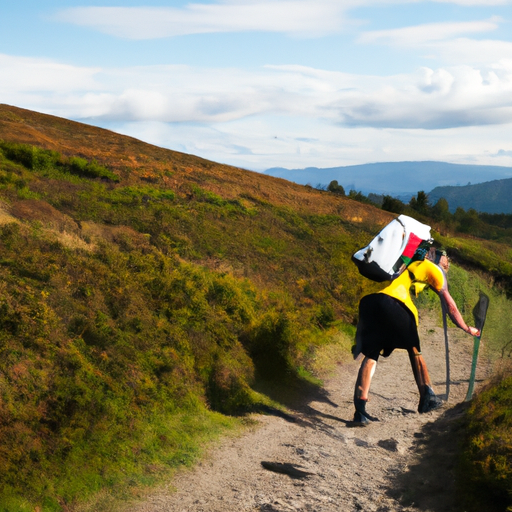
<point x="489" y="226"/>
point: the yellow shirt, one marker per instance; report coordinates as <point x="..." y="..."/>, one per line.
<point x="418" y="272"/>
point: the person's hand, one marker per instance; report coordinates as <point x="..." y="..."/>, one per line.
<point x="474" y="331"/>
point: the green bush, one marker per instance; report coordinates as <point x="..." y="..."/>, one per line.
<point x="43" y="160"/>
<point x="270" y="344"/>
<point x="336" y="188"/>
<point x="82" y="167"/>
<point x="31" y="157"/>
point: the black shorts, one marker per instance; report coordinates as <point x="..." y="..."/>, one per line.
<point x="384" y="324"/>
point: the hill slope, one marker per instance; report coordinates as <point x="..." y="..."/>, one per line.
<point x="490" y="197"/>
<point x="144" y="289"/>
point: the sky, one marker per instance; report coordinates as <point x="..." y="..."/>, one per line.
<point x="272" y="83"/>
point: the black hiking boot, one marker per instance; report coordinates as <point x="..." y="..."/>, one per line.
<point x="429" y="401"/>
<point x="361" y="417"/>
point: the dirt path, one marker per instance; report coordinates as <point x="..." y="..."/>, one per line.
<point x="401" y="463"/>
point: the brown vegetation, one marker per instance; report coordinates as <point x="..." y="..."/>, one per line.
<point x="139" y="162"/>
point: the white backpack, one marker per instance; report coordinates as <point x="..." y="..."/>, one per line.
<point x="389" y="253"/>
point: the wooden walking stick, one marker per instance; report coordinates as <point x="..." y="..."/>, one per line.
<point x="447" y="350"/>
<point x="479" y="314"/>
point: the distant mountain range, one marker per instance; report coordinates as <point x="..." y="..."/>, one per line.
<point x="482" y="187"/>
<point x="394" y="178"/>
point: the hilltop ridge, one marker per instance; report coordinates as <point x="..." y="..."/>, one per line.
<point x="490" y="196"/>
<point x="137" y="161"/>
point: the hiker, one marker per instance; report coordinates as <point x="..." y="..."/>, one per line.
<point x="388" y="319"/>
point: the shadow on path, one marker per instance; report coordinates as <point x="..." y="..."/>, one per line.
<point x="429" y="483"/>
<point x="293" y="392"/>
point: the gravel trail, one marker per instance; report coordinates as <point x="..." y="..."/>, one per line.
<point x="403" y="462"/>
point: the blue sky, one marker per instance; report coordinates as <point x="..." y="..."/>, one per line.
<point x="265" y="83"/>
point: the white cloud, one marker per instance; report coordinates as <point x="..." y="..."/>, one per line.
<point x="430" y="98"/>
<point x="302" y="17"/>
<point x="471" y="52"/>
<point x="27" y="74"/>
<point x="265" y="117"/>
<point x="423" y="34"/>
<point x="433" y="99"/>
<point x="297" y="17"/>
<point x="444" y="42"/>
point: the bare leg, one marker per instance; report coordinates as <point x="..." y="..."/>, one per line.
<point x="419" y="369"/>
<point x="364" y="378"/>
<point x="428" y="399"/>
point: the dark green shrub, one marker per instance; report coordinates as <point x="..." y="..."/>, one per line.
<point x="43" y="160"/>
<point x="231" y="375"/>
<point x="336" y="188"/>
<point x="392" y="204"/>
<point x="31" y="157"/>
<point x="82" y="167"/>
<point x="325" y="315"/>
<point x="271" y="344"/>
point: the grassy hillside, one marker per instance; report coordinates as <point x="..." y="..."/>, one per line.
<point x="146" y="295"/>
<point x="138" y="298"/>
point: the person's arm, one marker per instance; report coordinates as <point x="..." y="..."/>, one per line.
<point x="454" y="313"/>
<point x="438" y="282"/>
